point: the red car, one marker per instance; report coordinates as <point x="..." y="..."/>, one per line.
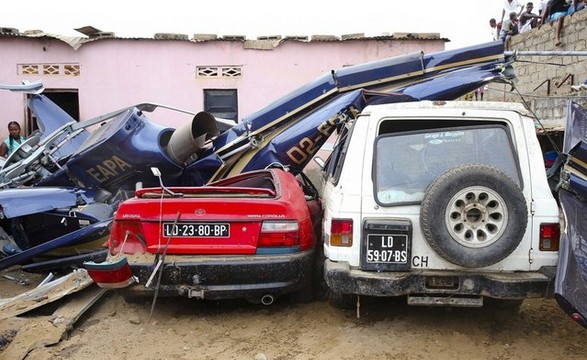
<point x="251" y="236"/>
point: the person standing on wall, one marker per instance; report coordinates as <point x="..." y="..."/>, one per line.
<point x="13" y="141"/>
<point x="508" y="7"/>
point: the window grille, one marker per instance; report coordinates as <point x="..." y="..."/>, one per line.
<point x="219" y="71"/>
<point x="49" y="69"/>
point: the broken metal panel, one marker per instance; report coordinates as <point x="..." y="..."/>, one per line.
<point x="44" y="294"/>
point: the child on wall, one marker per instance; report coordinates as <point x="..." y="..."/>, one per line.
<point x="509" y="29"/>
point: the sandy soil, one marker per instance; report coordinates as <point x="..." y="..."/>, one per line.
<point x="386" y="329"/>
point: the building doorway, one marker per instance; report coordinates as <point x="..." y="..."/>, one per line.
<point x="66" y="99"/>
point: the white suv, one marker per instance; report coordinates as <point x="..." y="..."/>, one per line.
<point x="445" y="202"/>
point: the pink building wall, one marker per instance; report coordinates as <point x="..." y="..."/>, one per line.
<point x="116" y="72"/>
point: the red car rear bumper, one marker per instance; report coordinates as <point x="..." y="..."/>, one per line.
<point x="225" y="277"/>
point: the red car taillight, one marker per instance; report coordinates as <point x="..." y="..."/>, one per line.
<point x="549" y="236"/>
<point x="113" y="274"/>
<point x="341" y="232"/>
<point x="127" y="236"/>
<point x="279" y="234"/>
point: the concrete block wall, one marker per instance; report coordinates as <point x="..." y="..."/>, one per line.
<point x="545" y="81"/>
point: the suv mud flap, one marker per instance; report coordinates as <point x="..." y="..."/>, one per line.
<point x="475" y="301"/>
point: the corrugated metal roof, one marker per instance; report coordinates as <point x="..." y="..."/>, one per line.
<point x="262" y="42"/>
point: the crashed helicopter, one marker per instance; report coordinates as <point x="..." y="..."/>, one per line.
<point x="61" y="187"/>
<point x="570" y="289"/>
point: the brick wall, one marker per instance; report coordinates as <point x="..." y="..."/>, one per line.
<point x="545" y="81"/>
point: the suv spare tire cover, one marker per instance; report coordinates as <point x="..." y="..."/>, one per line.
<point x="473" y="215"/>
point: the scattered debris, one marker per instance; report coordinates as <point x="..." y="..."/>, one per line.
<point x="23" y="282"/>
<point x="44" y="294"/>
<point x="48" y="330"/>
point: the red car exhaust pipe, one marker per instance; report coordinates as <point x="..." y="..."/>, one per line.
<point x="267" y="299"/>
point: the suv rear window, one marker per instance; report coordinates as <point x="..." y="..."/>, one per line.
<point x="406" y="163"/>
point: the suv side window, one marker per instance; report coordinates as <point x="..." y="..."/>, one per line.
<point x="406" y="163"/>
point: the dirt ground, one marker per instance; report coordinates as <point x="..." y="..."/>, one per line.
<point x="386" y="329"/>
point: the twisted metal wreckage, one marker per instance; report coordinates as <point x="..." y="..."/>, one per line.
<point x="61" y="187"/>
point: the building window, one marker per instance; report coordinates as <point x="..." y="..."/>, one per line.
<point x="222" y="103"/>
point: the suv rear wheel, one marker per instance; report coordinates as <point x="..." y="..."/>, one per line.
<point x="473" y="215"/>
